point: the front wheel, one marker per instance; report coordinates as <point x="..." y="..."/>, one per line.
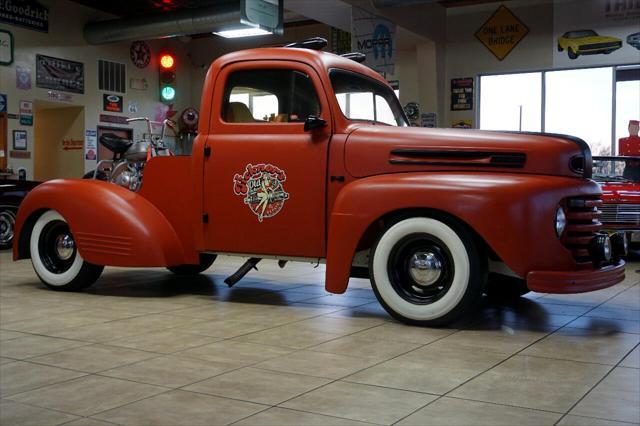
<point x="206" y="260"/>
<point x="573" y="54"/>
<point x="7" y="224"/>
<point x="55" y="257"/>
<point x="427" y="272"/>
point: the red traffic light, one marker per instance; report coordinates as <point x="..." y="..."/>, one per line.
<point x="167" y="61"/>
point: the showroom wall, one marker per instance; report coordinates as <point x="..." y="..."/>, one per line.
<point x="537" y="50"/>
<point x="64" y="40"/>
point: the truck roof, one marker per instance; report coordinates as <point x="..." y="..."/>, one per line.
<point x="314" y="58"/>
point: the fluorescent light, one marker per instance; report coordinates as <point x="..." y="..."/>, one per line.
<point x="242" y="32"/>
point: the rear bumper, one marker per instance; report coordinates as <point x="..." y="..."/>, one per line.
<point x="575" y="281"/>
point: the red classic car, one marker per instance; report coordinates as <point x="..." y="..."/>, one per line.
<point x="619" y="178"/>
<point x="12" y="192"/>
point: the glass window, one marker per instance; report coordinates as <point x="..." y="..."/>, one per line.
<point x="511" y="102"/>
<point x="269" y="96"/>
<point x="363" y="98"/>
<point x="579" y="103"/>
<point x="627" y="100"/>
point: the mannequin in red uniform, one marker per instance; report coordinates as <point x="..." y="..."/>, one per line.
<point x="630" y="145"/>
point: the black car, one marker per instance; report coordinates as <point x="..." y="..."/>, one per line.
<point x="12" y="192"/>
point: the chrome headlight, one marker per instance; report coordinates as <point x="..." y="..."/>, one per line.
<point x="561" y="221"/>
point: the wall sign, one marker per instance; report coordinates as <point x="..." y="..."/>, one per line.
<point x="25" y="13"/>
<point x="91" y="145"/>
<point x="462" y="94"/>
<point x="375" y="37"/>
<point x="140" y="54"/>
<point x="112" y="103"/>
<point x="72" y="144"/>
<point x="3" y="102"/>
<point x="264" y="14"/>
<point x="502" y="32"/>
<point x="6" y="48"/>
<point x="20" y="140"/>
<point x="23" y="155"/>
<point x="57" y="96"/>
<point x="462" y="124"/>
<point x="23" y="77"/>
<point x="107" y="118"/>
<point x="26" y="113"/>
<point x="59" y="74"/>
<point x="428" y="119"/>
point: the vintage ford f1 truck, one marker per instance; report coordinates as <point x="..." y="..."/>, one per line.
<point x="305" y="155"/>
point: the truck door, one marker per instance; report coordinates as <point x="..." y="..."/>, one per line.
<point x="265" y="176"/>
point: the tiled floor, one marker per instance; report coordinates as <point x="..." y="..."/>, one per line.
<point x="144" y="347"/>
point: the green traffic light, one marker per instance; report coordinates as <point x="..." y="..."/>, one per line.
<point x="168" y="93"/>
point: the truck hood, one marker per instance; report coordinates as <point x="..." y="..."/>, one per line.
<point x="372" y="150"/>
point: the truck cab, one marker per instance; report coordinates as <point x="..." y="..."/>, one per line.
<point x="304" y="155"/>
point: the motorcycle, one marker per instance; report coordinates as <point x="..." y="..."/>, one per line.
<point x="129" y="157"/>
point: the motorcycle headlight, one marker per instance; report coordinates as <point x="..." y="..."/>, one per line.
<point x="561" y="221"/>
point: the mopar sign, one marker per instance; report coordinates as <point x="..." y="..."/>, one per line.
<point x="375" y="37"/>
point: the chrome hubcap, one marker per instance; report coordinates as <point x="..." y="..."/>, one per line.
<point x="425" y="268"/>
<point x="65" y="246"/>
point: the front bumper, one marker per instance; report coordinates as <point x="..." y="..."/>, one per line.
<point x="575" y="281"/>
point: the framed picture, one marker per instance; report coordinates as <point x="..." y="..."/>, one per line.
<point x="20" y="140"/>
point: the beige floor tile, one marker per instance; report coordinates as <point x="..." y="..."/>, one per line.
<point x="93" y="358"/>
<point x="606" y="325"/>
<point x="170" y="371"/>
<point x="363" y="347"/>
<point x="19" y="376"/>
<point x="293" y="336"/>
<point x="46" y="325"/>
<point x="360" y="402"/>
<point x="87" y="421"/>
<point x="88" y="395"/>
<point x="222" y="328"/>
<point x="396" y="332"/>
<point x="233" y="352"/>
<point x="15" y="414"/>
<point x="31" y="346"/>
<point x="434" y="368"/>
<point x="318" y="364"/>
<point x="287" y="417"/>
<point x="539" y="383"/>
<point x="261" y="386"/>
<point x="163" y="341"/>
<point x="6" y="360"/>
<point x="9" y="335"/>
<point x="584" y="345"/>
<point x="452" y="411"/>
<point x="570" y="420"/>
<point x="181" y="408"/>
<point x="615" y="398"/>
<point x="100" y="333"/>
<point x="506" y="340"/>
<point x="614" y="313"/>
<point x="632" y="360"/>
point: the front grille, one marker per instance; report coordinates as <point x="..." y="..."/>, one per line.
<point x="623" y="214"/>
<point x="582" y="225"/>
<point x="599" y="45"/>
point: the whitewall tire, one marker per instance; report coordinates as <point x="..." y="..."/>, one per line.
<point x="55" y="258"/>
<point x="427" y="272"/>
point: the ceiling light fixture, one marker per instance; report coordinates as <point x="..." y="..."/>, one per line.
<point x="242" y="32"/>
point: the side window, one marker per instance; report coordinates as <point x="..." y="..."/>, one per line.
<point x="269" y="96"/>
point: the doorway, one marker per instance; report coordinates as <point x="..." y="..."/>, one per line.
<point x="58" y="141"/>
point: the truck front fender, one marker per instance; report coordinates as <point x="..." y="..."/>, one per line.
<point x="513" y="213"/>
<point x="111" y="225"/>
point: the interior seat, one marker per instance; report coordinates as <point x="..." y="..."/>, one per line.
<point x="237" y="112"/>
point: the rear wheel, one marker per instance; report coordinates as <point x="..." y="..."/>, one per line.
<point x="7" y="224"/>
<point x="427" y="272"/>
<point x="572" y="53"/>
<point x="55" y="257"/>
<point x="206" y="260"/>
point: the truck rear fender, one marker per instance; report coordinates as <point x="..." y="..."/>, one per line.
<point x="111" y="225"/>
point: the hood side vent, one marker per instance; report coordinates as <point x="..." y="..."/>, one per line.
<point x="420" y="157"/>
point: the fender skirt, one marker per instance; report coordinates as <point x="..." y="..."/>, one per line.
<point x="111" y="225"/>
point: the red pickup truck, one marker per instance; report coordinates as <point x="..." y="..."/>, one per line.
<point x="307" y="156"/>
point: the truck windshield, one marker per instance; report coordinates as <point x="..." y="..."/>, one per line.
<point x="616" y="169"/>
<point x="363" y="98"/>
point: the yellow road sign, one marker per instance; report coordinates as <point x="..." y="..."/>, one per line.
<point x="502" y="32"/>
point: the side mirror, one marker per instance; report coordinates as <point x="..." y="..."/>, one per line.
<point x="313" y="122"/>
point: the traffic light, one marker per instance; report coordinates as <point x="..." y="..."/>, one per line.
<point x="167" y="78"/>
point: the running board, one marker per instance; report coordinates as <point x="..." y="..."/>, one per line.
<point x="242" y="271"/>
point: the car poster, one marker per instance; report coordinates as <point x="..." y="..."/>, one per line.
<point x="595" y="32"/>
